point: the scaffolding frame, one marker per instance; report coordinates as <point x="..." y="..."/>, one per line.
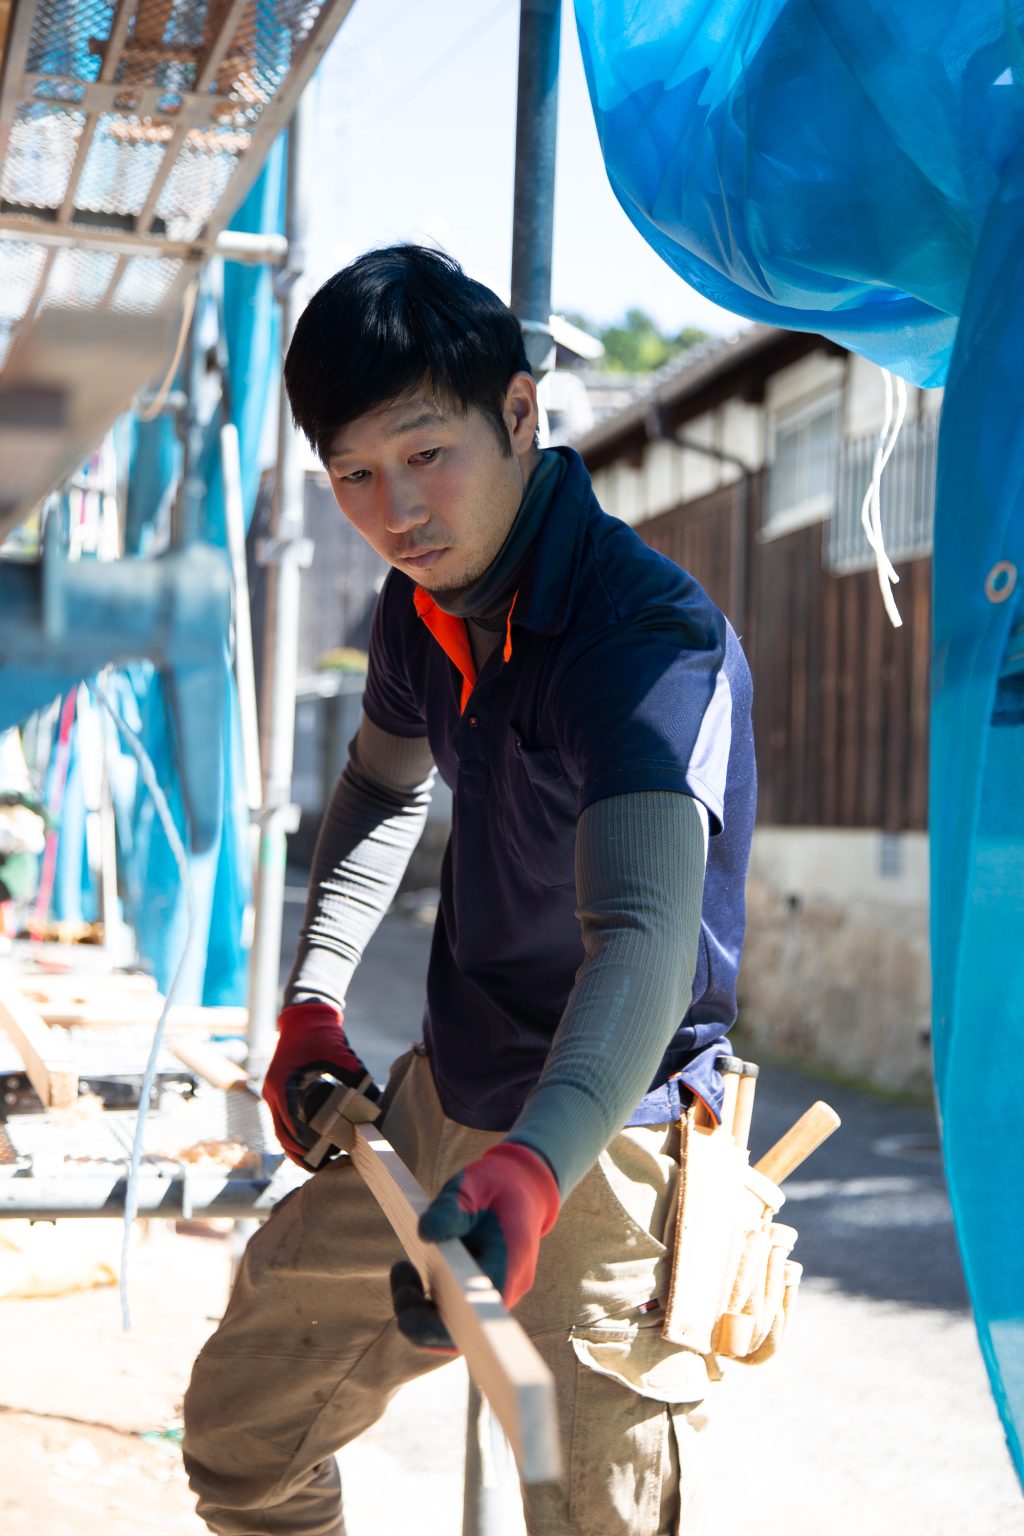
<point x="104" y="139"/>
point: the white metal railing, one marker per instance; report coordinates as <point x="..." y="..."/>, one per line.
<point x="907" y="498"/>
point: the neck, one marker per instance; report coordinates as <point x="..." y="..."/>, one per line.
<point x="487" y="599"/>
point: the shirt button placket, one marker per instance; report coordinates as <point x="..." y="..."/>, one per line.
<point x="473" y="755"/>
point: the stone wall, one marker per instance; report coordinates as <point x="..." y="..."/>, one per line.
<point x="836" y="966"/>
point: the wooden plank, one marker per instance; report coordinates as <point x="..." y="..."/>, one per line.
<point x="759" y="655"/>
<point x="805" y="548"/>
<point x="815" y="668"/>
<point x="51" y="1071"/>
<point x="84" y="986"/>
<point x="851" y="682"/>
<point x="111" y="1013"/>
<point x="501" y="1359"/>
<point x="101" y="1013"/>
<point x="736" y="555"/>
<point x="210" y="1064"/>
<point x="872" y="685"/>
<point x="779" y="646"/>
<point x="751" y="619"/>
<point x="223" y="1020"/>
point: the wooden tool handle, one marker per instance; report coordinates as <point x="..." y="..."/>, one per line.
<point x="814" y="1126"/>
<point x="731" y="1068"/>
<point x="744" y="1105"/>
<point x="210" y="1064"/>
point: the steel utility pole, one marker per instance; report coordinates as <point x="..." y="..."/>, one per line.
<point x="534" y="208"/>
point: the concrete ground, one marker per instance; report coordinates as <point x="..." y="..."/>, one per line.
<point x="877" y="1415"/>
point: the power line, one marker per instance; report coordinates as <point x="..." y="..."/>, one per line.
<point x="441" y="63"/>
<point x="381" y="31"/>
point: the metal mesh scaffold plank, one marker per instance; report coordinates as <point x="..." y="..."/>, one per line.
<point x="110" y="112"/>
<point x="21" y="264"/>
<point x="130" y="130"/>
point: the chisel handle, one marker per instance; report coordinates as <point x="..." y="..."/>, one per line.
<point x="731" y="1068"/>
<point x="814" y="1126"/>
<point x="744" y="1105"/>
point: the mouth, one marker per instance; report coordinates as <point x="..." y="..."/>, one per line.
<point x="423" y="561"/>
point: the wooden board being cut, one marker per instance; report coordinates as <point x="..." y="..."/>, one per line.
<point x="500" y="1357"/>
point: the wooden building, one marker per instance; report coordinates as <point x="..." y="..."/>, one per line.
<point x="748" y="464"/>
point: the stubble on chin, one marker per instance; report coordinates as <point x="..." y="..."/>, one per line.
<point x="449" y="582"/>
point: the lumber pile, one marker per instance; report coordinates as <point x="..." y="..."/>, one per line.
<point x="38" y="1007"/>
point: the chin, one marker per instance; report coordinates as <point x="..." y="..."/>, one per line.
<point x="450" y="581"/>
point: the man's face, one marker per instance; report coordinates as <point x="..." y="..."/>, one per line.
<point x="429" y="487"/>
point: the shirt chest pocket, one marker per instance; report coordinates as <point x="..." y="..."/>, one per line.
<point x="536" y="813"/>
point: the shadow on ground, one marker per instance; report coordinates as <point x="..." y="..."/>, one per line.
<point x="871" y="1204"/>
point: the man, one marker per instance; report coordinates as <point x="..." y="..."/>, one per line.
<point x="590" y="709"/>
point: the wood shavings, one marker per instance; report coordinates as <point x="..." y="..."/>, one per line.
<point x="216" y="1154"/>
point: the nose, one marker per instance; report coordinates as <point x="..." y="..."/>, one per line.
<point x="399" y="506"/>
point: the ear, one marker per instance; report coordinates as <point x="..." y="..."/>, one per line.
<point x="520" y="412"/>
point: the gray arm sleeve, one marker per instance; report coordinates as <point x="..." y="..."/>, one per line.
<point x="640" y="883"/>
<point x="369" y="831"/>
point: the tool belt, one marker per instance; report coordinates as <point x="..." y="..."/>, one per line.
<point x="733" y="1282"/>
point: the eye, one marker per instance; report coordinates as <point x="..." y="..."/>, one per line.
<point x="427" y="456"/>
<point x="356" y="477"/>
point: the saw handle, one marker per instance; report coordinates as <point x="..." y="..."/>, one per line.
<point x="332" y="1108"/>
<point x="804" y="1137"/>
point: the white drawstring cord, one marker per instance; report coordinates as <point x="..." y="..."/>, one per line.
<point x="163" y="812"/>
<point x="188" y="304"/>
<point x="871" y="506"/>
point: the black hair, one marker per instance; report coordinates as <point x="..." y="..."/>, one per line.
<point x="396" y="319"/>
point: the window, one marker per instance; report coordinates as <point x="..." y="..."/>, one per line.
<point x="907" y="494"/>
<point x="802" y="470"/>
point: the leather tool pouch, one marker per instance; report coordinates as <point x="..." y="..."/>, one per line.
<point x="733" y="1283"/>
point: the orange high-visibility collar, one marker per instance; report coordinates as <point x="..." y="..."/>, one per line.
<point x="452" y="636"/>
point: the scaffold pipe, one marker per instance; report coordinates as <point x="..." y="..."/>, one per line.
<point x="534" y="208"/>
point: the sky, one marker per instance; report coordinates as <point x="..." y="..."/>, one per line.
<point x="415" y="140"/>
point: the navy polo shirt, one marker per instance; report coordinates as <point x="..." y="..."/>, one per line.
<point x="618" y="674"/>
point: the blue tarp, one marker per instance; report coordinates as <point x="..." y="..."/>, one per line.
<point x="216" y="972"/>
<point x="857" y="170"/>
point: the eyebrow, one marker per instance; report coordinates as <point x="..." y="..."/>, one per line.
<point x="410" y="424"/>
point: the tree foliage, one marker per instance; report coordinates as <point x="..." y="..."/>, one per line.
<point x="636" y="345"/>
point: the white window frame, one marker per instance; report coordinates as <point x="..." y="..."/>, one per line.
<point x="813" y="509"/>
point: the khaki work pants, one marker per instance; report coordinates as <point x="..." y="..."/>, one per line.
<point x="308" y="1353"/>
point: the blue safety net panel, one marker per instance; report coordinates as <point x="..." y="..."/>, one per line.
<point x="215" y="970"/>
<point x="857" y="170"/>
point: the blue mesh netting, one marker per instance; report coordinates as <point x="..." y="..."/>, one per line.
<point x="858" y="170"/>
<point x="217" y="968"/>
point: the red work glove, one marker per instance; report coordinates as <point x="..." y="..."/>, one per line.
<point x="501" y="1206"/>
<point x="310" y="1040"/>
